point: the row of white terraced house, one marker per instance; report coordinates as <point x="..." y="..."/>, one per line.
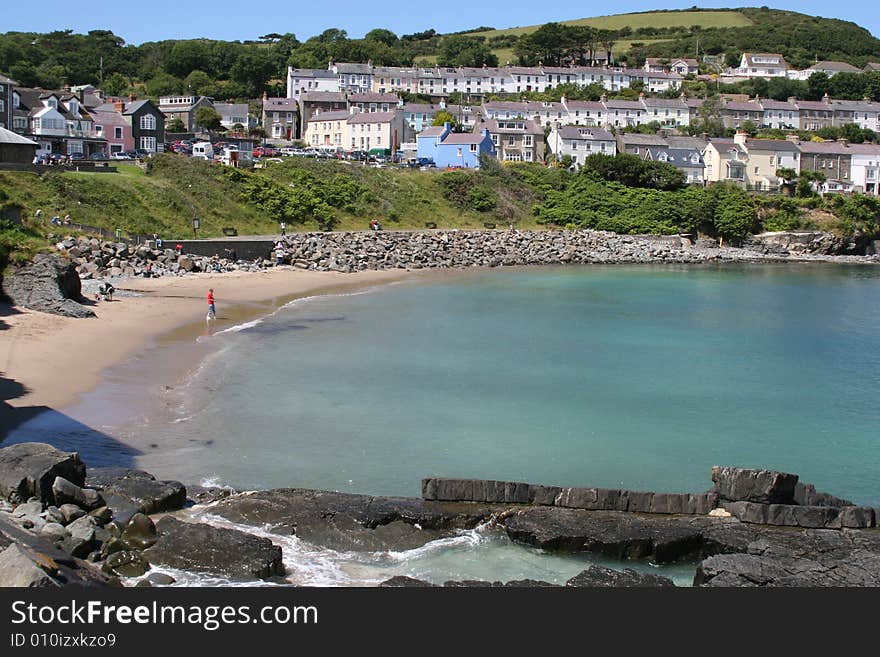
<point x="441" y="81"/>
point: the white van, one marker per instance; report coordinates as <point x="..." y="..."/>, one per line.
<point x="203" y="150"/>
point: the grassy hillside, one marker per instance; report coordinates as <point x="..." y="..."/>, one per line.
<point x="653" y="19"/>
<point x="165" y="199"/>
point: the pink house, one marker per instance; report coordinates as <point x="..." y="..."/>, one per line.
<point x="110" y="124"/>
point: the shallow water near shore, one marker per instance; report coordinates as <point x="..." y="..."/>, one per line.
<point x="640" y="377"/>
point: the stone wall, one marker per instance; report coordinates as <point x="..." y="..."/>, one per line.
<point x="594" y="499"/>
<point x="763" y="497"/>
<point x="355" y="251"/>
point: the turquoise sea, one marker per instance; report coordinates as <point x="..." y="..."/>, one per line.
<point x="635" y="377"/>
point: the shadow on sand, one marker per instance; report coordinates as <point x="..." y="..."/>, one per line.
<point x="19" y="424"/>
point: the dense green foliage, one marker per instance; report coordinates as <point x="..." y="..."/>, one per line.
<point x="633" y="171"/>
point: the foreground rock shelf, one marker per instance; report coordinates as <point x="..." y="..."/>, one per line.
<point x="61" y="524"/>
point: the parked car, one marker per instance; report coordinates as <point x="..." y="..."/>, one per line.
<point x="120" y="155"/>
<point x="98" y="157"/>
<point x="142" y="152"/>
<point x="76" y="156"/>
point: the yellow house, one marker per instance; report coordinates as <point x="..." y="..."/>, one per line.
<point x="752" y="163"/>
<point x="327" y="130"/>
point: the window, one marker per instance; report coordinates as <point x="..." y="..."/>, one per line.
<point x="528" y="140"/>
<point x="511" y="140"/>
<point x="148" y="143"/>
<point x="473" y="148"/>
<point x="148" y="122"/>
<point x="2" y="105"/>
<point x="117" y="132"/>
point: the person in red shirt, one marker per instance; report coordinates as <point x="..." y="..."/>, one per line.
<point x="212" y="312"/>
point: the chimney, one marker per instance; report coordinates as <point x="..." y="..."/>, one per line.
<point x="131" y="98"/>
<point x="119" y="106"/>
<point x="641" y="96"/>
<point x="265" y="95"/>
<point x="843" y="141"/>
<point x="604" y="97"/>
<point x="826" y="98"/>
<point x="792" y="99"/>
<point x="740" y="138"/>
<point x="794" y="139"/>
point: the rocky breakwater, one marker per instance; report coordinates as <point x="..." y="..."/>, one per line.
<point x="60" y="524"/>
<point x="93" y="258"/>
<point x="349" y="252"/>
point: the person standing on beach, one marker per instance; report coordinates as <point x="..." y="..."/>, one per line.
<point x="212" y="311"/>
<point x="283" y="229"/>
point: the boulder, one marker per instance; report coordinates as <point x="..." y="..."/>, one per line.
<point x="54" y="514"/>
<point x="71" y="512"/>
<point x="53" y="531"/>
<point x="161" y="579"/>
<point x="761" y="486"/>
<point x="17" y="569"/>
<point x="199" y="547"/>
<point x="128" y="491"/>
<point x="29" y="470"/>
<point x="599" y="576"/>
<point x="140" y="532"/>
<point x="48" y="284"/>
<point x="126" y="563"/>
<point x="69" y="493"/>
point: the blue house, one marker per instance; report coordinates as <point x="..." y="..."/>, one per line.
<point x="451" y="149"/>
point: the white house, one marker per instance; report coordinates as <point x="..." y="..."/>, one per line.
<point x="865" y="168"/>
<point x="579" y="142"/>
<point x="762" y="65"/>
<point x="304" y="80"/>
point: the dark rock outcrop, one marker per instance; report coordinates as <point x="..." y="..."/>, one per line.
<point x="598" y="576"/>
<point x="199" y="547"/>
<point x="49" y="284"/>
<point x="29" y="470"/>
<point x="761" y="486"/>
<point x="352" y="522"/>
<point x="614" y="535"/>
<point x="402" y="581"/>
<point x="798" y="558"/>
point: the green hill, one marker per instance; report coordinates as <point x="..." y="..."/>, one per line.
<point x="650" y="19"/>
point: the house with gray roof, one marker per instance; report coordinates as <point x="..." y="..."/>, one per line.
<point x="183" y="107"/>
<point x="232" y="114"/>
<point x="688" y="160"/>
<point x="281" y="118"/>
<point x="305" y="80"/>
<point x="579" y="142"/>
<point x="147" y="123"/>
<point x="515" y="140"/>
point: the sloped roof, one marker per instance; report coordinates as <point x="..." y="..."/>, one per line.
<point x="771" y="145"/>
<point x="338" y="115"/>
<point x="323" y="97"/>
<point x="677" y="156"/>
<point x="463" y="138"/>
<point x="372" y="117"/>
<point x="433" y="131"/>
<point x="530" y="127"/>
<point x="837" y="67"/>
<point x="9" y="137"/>
<point x="583" y="133"/>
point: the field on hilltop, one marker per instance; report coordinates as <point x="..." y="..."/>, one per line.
<point x="635" y="21"/>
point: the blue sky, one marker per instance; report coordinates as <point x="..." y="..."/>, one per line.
<point x="155" y="20"/>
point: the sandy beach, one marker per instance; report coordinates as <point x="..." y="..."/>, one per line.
<point x="49" y="361"/>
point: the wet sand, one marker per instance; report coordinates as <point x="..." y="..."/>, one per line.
<point x="49" y="362"/>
